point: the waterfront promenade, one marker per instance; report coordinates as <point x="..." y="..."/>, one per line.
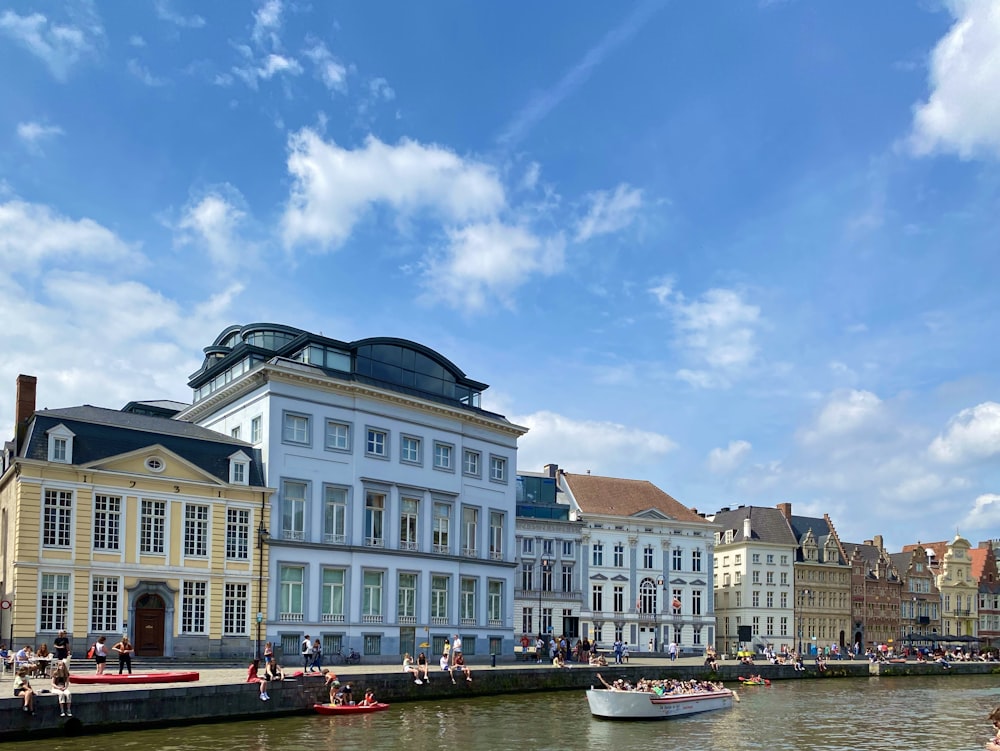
<point x="221" y="693"/>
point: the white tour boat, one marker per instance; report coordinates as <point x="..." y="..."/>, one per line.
<point x="646" y="705"/>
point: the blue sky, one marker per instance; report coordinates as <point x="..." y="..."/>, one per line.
<point x="745" y="250"/>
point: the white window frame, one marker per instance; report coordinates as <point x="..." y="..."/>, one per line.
<point x="470" y="531"/>
<point x="337" y="436"/>
<point x="237" y="534"/>
<point x="375" y="518"/>
<point x="105" y="602"/>
<point x="107" y="522"/>
<point x="256" y="429"/>
<point x="498" y="468"/>
<point x="472" y="463"/>
<point x="60" y="444"/>
<point x="194" y="607"/>
<point x="441" y="532"/>
<point x="497" y="524"/>
<point x="377" y="443"/>
<point x="291" y="592"/>
<point x="410" y="449"/>
<point x="239" y="469"/>
<point x="54" y="589"/>
<point x="294" y="510"/>
<point x="197" y="530"/>
<point x="409" y="522"/>
<point x="444" y="456"/>
<point x="57" y="518"/>
<point x="152" y="526"/>
<point x="334" y="514"/>
<point x="334" y="594"/>
<point x="235" y="610"/>
<point x="296" y="428"/>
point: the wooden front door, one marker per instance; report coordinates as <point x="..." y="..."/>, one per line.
<point x="150" y="615"/>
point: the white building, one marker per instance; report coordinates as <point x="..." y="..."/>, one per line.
<point x="646" y="564"/>
<point x="754" y="578"/>
<point x="393" y="525"/>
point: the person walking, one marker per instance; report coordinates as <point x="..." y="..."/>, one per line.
<point x="317" y="656"/>
<point x="306" y="652"/>
<point x="672" y="650"/>
<point x="125" y="650"/>
<point x="618" y="651"/>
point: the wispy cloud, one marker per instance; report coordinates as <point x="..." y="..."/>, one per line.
<point x="166" y="13"/>
<point x="141" y="72"/>
<point x="267" y="22"/>
<point x="543" y="103"/>
<point x="59" y="45"/>
<point x="329" y="69"/>
<point x="609" y="212"/>
<point x="32" y="134"/>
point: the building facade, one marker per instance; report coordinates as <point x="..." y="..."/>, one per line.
<point x="959" y="590"/>
<point x="646" y="565"/>
<point x="876" y="594"/>
<point x="393" y="524"/>
<point x="115" y="522"/>
<point x="984" y="571"/>
<point x="920" y="606"/>
<point x="754" y="553"/>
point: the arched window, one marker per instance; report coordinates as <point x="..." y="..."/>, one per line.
<point x="647" y="596"/>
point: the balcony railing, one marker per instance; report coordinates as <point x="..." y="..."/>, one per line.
<point x="371" y="619"/>
<point x="375" y="542"/>
<point x="467" y="622"/>
<point x="293" y="534"/>
<point x="407" y="620"/>
<point x="332" y="618"/>
<point x="334" y="539"/>
<point x="407" y="545"/>
<point x="495" y="623"/>
<point x="470" y="552"/>
<point x="439" y="621"/>
<point x="441" y="549"/>
<point x="290" y="617"/>
<point x="496" y="555"/>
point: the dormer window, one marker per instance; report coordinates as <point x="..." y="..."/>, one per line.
<point x="239" y="469"/>
<point x="61" y="444"/>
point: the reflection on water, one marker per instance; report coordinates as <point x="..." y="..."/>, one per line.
<point x="930" y="714"/>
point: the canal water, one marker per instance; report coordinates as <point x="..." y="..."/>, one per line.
<point x="930" y="714"/>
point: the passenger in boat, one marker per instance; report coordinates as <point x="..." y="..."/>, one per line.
<point x="60" y="687"/>
<point x="423" y="667"/>
<point x="369" y="700"/>
<point x="125" y="651"/>
<point x="346" y="697"/>
<point x="260" y="680"/>
<point x="22" y="688"/>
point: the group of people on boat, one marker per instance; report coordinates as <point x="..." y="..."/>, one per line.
<point x="663" y="687"/>
<point x="341" y="695"/>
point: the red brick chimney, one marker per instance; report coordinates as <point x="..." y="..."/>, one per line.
<point x="24" y="407"/>
<point x="786" y="511"/>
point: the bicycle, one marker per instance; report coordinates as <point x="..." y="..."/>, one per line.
<point x="347" y="659"/>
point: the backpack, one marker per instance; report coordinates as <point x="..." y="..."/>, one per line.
<point x="91" y="651"/>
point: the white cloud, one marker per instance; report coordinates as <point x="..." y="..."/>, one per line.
<point x="60" y="46"/>
<point x="724" y="461"/>
<point x="213" y="222"/>
<point x="609" y="212"/>
<point x="716" y="332"/>
<point x="606" y="448"/>
<point x="136" y="41"/>
<point x="33" y="234"/>
<point x="971" y="435"/>
<point x="846" y="413"/>
<point x="962" y="113"/>
<point x="267" y="22"/>
<point x="268" y="68"/>
<point x="32" y="134"/>
<point x="984" y="517"/>
<point x="141" y="72"/>
<point x="166" y="13"/>
<point x="330" y="71"/>
<point x="381" y="90"/>
<point x="489" y="260"/>
<point x="333" y="187"/>
<point x="531" y="175"/>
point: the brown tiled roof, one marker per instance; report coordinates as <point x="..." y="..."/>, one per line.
<point x="613" y="495"/>
<point x="939" y="548"/>
<point x="978" y="556"/>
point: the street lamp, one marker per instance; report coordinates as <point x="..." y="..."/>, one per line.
<point x="263" y="537"/>
<point x="544" y="566"/>
<point x="662" y="584"/>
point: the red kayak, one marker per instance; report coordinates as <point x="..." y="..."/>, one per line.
<point x="349" y="708"/>
<point x="754" y="682"/>
<point x="173" y="676"/>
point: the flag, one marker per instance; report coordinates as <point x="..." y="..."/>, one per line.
<point x="638" y="604"/>
<point x="676" y="603"/>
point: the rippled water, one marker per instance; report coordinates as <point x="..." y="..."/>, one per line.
<point x="929" y="714"/>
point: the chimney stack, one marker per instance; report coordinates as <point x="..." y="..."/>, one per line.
<point x="552" y="470"/>
<point x="747" y="529"/>
<point x="24" y="408"/>
<point x="786" y="510"/>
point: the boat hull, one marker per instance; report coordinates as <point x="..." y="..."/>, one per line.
<point x="640" y="705"/>
<point x="175" y="676"/>
<point x="349" y="709"/>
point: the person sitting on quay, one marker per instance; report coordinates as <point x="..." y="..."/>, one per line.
<point x="798" y="662"/>
<point x="558" y="661"/>
<point x="273" y="672"/>
<point x="410" y="669"/>
<point x="598" y="660"/>
<point x="60" y="687"/>
<point x="22" y="688"/>
<point x="459" y="664"/>
<point x="423" y="667"/>
<point x="710" y="662"/>
<point x="820" y="663"/>
<point x="260" y="680"/>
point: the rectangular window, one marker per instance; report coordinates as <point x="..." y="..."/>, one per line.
<point x="597" y="554"/>
<point x="439" y="599"/>
<point x="696" y="602"/>
<point x="338" y="436"/>
<point x="567" y="548"/>
<point x="334" y="515"/>
<point x="527" y="627"/>
<point x="755" y="596"/>
<point x="57" y="515"/>
<point x="442" y="527"/>
<point x="770" y="600"/>
<point x="234" y="610"/>
<point x="755" y="576"/>
<point x="647" y="557"/>
<point x="235" y="433"/>
<point x="528" y="545"/>
<point x="195" y="530"/>
<point x="467" y="602"/>
<point x="470" y="463"/>
<point x="547" y="547"/>
<point x="194" y="597"/>
<point x="377" y="443"/>
<point x="527" y="575"/>
<point x="770" y="560"/>
<point x="59" y="449"/>
<point x="495" y="602"/>
<point x="677" y="560"/>
<point x="295" y="429"/>
<point x="496" y="536"/>
<point x="409" y="509"/>
<point x="293" y="510"/>
<point x="53" y="602"/>
<point x="567" y="578"/>
<point x="784" y="626"/>
<point x="238" y="534"/>
<point x="238" y="472"/>
<point x="618" y="598"/>
<point x="739" y="559"/>
<point x="769" y="577"/>
<point x="784" y="578"/>
<point x="409" y="449"/>
<point x="107" y="522"/>
<point x="597" y="598"/>
<point x="406" y="604"/>
<point x="755" y="558"/>
<point x="470" y="531"/>
<point x="784" y="599"/>
<point x="256" y="429"/>
<point x="104" y="603"/>
<point x="290" y="593"/>
<point x="619" y="555"/>
<point x="333" y="595"/>
<point x="498" y="469"/>
<point x="443" y="456"/>
<point x="374" y="517"/>
<point x="371" y="602"/>
<point x="696" y="560"/>
<point x="152" y="527"/>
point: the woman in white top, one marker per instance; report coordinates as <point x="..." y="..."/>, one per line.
<point x="100" y="654"/>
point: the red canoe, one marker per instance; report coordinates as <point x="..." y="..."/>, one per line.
<point x="349" y="708"/>
<point x="752" y="682"/>
<point x="173" y="676"/>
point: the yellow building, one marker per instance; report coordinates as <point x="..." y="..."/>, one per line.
<point x="959" y="590"/>
<point x="118" y="522"/>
